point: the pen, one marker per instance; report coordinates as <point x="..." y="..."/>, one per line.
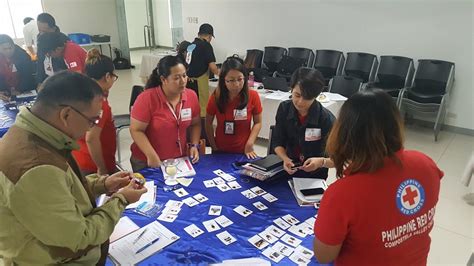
<point x="139" y="236"/>
<point x="147" y="245"/>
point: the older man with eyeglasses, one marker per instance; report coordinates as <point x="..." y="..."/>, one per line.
<point x="48" y="213"/>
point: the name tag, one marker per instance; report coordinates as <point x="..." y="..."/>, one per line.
<point x="48" y="66"/>
<point x="186" y="114"/>
<point x="240" y="114"/>
<point x="14" y="68"/>
<point x="72" y="64"/>
<point x="312" y="134"/>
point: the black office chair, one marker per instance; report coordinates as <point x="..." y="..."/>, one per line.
<point x="345" y="85"/>
<point x="394" y="73"/>
<point x="360" y="65"/>
<point x="272" y="56"/>
<point x="329" y="63"/>
<point x="270" y="148"/>
<point x="253" y="59"/>
<point x="429" y="94"/>
<point x="122" y="121"/>
<point x="297" y="57"/>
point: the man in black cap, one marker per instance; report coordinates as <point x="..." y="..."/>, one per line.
<point x="200" y="58"/>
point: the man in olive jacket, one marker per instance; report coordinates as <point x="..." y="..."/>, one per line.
<point x="47" y="209"/>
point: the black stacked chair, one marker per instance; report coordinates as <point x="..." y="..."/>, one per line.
<point x="361" y="65"/>
<point x="253" y="59"/>
<point x="297" y="57"/>
<point x="345" y="85"/>
<point x="329" y="63"/>
<point x="429" y="94"/>
<point x="122" y="121"/>
<point x="394" y="73"/>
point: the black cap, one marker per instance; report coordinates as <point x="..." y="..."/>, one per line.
<point x="206" y="29"/>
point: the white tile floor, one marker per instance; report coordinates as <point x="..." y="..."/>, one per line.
<point x="453" y="235"/>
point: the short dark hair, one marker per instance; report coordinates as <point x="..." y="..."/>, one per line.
<point x="368" y="129"/>
<point x="67" y="87"/>
<point x="47" y="18"/>
<point x="162" y="70"/>
<point x="49" y="41"/>
<point x="6" y="39"/>
<point x="222" y="93"/>
<point x="310" y="81"/>
<point x="27" y="20"/>
<point x="98" y="65"/>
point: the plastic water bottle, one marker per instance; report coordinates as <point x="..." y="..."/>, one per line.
<point x="251" y="80"/>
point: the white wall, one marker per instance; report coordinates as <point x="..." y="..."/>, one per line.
<point x="86" y="16"/>
<point x="418" y="29"/>
<point x="135" y="11"/>
<point x="161" y="11"/>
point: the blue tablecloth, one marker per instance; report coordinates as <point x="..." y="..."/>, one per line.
<point x="6" y="124"/>
<point x="207" y="248"/>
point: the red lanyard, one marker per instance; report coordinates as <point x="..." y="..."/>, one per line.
<point x="178" y="120"/>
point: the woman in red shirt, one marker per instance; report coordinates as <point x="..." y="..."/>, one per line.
<point x="234" y="106"/>
<point x="97" y="152"/>
<point x="380" y="211"/>
<point x="161" y="116"/>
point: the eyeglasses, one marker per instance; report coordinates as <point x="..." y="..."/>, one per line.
<point x="239" y="80"/>
<point x="114" y="76"/>
<point x="92" y="121"/>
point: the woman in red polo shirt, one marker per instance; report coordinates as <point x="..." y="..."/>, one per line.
<point x="380" y="211"/>
<point x="234" y="106"/>
<point x="161" y="116"/>
<point x="97" y="152"/>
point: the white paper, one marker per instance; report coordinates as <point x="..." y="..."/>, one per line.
<point x="124" y="227"/>
<point x="334" y="96"/>
<point x="124" y="250"/>
<point x="278" y="95"/>
<point x="149" y="196"/>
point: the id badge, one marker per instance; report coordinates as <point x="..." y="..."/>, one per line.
<point x="229" y="127"/>
<point x="312" y="134"/>
<point x="240" y="114"/>
<point x="186" y="114"/>
<point x="14" y="68"/>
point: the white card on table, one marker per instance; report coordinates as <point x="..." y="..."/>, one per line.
<point x="209" y="183"/>
<point x="193" y="230"/>
<point x="267" y="236"/>
<point x="283" y="249"/>
<point x="218" y="180"/>
<point x="180" y="192"/>
<point x="215" y="210"/>
<point x="291" y="240"/>
<point x="297" y="230"/>
<point x="174" y="203"/>
<point x="223" y="187"/>
<point x="269" y="197"/>
<point x="273" y="254"/>
<point x="310" y="221"/>
<point x="290" y="219"/>
<point x="226" y="238"/>
<point x="248" y="194"/>
<point x="190" y="202"/>
<point x="298" y="259"/>
<point x="218" y="172"/>
<point x="234" y="185"/>
<point x="281" y="223"/>
<point x="224" y="175"/>
<point x="258" y="190"/>
<point x="167" y="217"/>
<point x="306" y="253"/>
<point x="223" y="221"/>
<point x="211" y="225"/>
<point x="242" y="211"/>
<point x="275" y="231"/>
<point x="260" y="205"/>
<point x="200" y="197"/>
<point x="258" y="242"/>
<point x="307" y="228"/>
<point x="171" y="210"/>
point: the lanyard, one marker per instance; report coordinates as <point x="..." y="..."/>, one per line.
<point x="178" y="120"/>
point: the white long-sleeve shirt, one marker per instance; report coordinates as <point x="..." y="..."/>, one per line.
<point x="30" y="32"/>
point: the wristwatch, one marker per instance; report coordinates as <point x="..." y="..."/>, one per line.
<point x="197" y="146"/>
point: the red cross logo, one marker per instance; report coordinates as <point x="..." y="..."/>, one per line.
<point x="410" y="196"/>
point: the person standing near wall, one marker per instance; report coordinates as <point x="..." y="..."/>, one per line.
<point x="200" y="58"/>
<point x="30" y="33"/>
